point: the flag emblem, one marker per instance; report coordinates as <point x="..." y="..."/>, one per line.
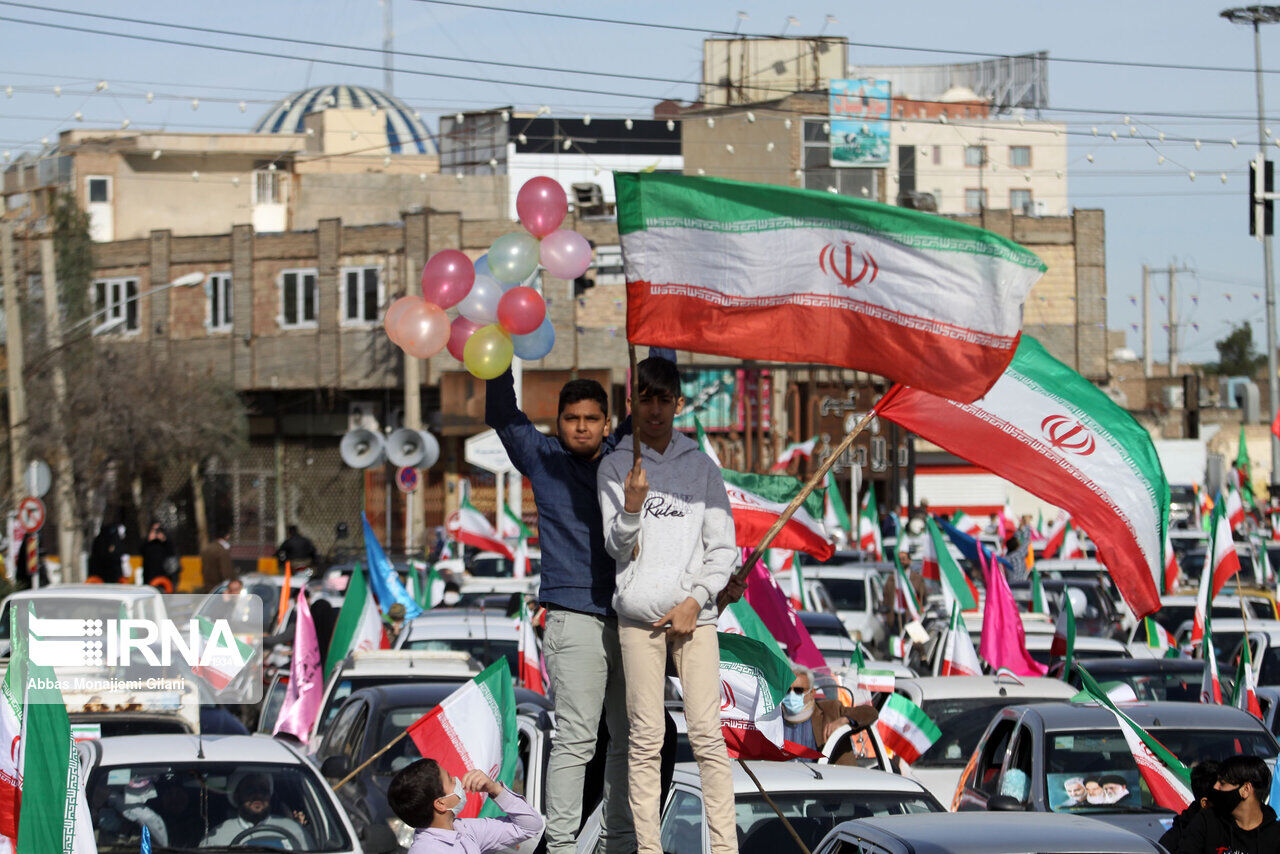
<point x="843" y="263"/>
<point x="1067" y="434"/>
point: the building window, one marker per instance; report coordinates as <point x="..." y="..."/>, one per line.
<point x="819" y="174"/>
<point x="218" y="289"/>
<point x="975" y="155"/>
<point x="1020" y="201"/>
<point x="937" y="155"/>
<point x="99" y="188"/>
<point x="115" y="306"/>
<point x="975" y="200"/>
<point x="1020" y="155"/>
<point x="361" y="294"/>
<point x="608" y="264"/>
<point x="268" y="188"/>
<point x="298" y="298"/>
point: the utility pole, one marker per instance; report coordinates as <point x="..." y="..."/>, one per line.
<point x="1146" y="321"/>
<point x="69" y="533"/>
<point x="1173" y="321"/>
<point x="14" y="366"/>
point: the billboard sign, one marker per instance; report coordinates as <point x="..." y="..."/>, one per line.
<point x="859" y="112"/>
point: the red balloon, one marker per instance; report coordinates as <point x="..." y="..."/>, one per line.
<point x="541" y="205"/>
<point x="447" y="278"/>
<point x="459" y="332"/>
<point x="521" y="311"/>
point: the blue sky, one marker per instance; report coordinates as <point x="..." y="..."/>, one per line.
<point x="1155" y="213"/>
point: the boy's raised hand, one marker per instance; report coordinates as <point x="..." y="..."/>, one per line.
<point x="635" y="489"/>
<point x="478" y="781"/>
<point x="682" y="619"/>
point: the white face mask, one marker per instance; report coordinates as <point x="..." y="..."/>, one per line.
<point x="451" y="598"/>
<point x="462" y="798"/>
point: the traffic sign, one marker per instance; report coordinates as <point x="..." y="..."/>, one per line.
<point x="485" y="451"/>
<point x="31" y="514"/>
<point x="38" y="478"/>
<point x="407" y="479"/>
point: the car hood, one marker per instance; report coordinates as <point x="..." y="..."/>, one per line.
<point x="941" y="782"/>
<point x="1152" y="825"/>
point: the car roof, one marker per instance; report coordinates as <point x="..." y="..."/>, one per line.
<point x="474" y="624"/>
<point x="958" y="687"/>
<point x="1228" y="624"/>
<point x="1083" y="643"/>
<point x="779" y="777"/>
<point x="1142" y="665"/>
<point x="1163" y="714"/>
<point x="97" y="591"/>
<point x="167" y="748"/>
<point x="998" y="833"/>
<point x="1189" y="599"/>
<point x="423" y="663"/>
<point x="839" y="570"/>
<point x="419" y="693"/>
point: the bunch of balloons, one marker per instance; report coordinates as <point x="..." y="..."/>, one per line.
<point x="499" y="315"/>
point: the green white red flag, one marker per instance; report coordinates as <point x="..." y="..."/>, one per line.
<point x="741" y="619"/>
<point x="10" y="767"/>
<point x="939" y="564"/>
<point x="869" y="525"/>
<point x="705" y="444"/>
<point x="511" y="526"/>
<point x="1052" y="432"/>
<point x="753" y="680"/>
<point x="757" y="500"/>
<point x="959" y="658"/>
<point x="229" y="655"/>
<point x="1246" y="690"/>
<point x="835" y="516"/>
<point x="529" y="652"/>
<point x="1168" y="581"/>
<point x="1039" y="604"/>
<point x="1158" y="638"/>
<point x="469" y="526"/>
<point x="966" y="524"/>
<point x="1211" y="684"/>
<point x="904" y="594"/>
<point x="474" y="727"/>
<point x="905" y="728"/>
<point x="1166" y="777"/>
<point x="1064" y="633"/>
<point x="1221" y="562"/>
<point x="755" y="271"/>
<point x="359" y="626"/>
<point x="1063" y="538"/>
<point x="795" y="451"/>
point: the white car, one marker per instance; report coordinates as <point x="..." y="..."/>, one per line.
<point x="815" y="799"/>
<point x="186" y="791"/>
<point x="136" y="602"/>
<point x="856" y="591"/>
<point x="487" y="565"/>
<point x="962" y="707"/>
<point x="1086" y="647"/>
<point x="485" y="634"/>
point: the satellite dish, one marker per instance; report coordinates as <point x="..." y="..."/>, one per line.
<point x="361" y="448"/>
<point x="431" y="450"/>
<point x="405" y="448"/>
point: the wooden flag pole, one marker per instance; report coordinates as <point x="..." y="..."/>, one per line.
<point x="365" y="764"/>
<point x="768" y="800"/>
<point x="635" y="396"/>
<point x="814" y="479"/>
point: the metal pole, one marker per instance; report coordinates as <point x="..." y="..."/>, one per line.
<point x="64" y="495"/>
<point x="1146" y="321"/>
<point x="1273" y="383"/>
<point x="1173" y="322"/>
<point x="13" y="369"/>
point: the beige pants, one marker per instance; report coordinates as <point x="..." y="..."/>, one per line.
<point x="697" y="660"/>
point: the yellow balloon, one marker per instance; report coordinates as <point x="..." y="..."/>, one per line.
<point x="488" y="352"/>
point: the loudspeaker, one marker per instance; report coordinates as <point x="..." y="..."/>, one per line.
<point x="430" y="450"/>
<point x="405" y="448"/>
<point x="361" y="448"/>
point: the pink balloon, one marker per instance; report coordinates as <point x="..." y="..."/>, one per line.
<point x="422" y="329"/>
<point x="392" y="317"/>
<point x="459" y="333"/>
<point x="447" y="278"/>
<point x="541" y="205"/>
<point x="566" y="254"/>
<point x="521" y="310"/>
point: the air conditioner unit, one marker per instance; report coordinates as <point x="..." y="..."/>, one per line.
<point x="363" y="415"/>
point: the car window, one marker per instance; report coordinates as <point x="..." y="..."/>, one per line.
<point x="1016" y="781"/>
<point x="962" y="722"/>
<point x="815" y="814"/>
<point x="484" y="651"/>
<point x="682" y="824"/>
<point x="338" y="732"/>
<point x="992" y="759"/>
<point x="190" y="804"/>
<point x="272" y="704"/>
<point x="354" y="739"/>
<point x="848" y="594"/>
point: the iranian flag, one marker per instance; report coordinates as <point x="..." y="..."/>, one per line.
<point x="470" y="527"/>
<point x="741" y="619"/>
<point x="1244" y="468"/>
<point x="1211" y="684"/>
<point x="359" y="626"/>
<point x="757" y="500"/>
<point x="869" y="525"/>
<point x="1168" y="580"/>
<point x="904" y="594"/>
<point x="966" y="524"/>
<point x="753" y="680"/>
<point x="704" y="443"/>
<point x="835" y="516"/>
<point x="222" y="654"/>
<point x="512" y="526"/>
<point x="873" y="681"/>
<point x="755" y="271"/>
<point x="1063" y="540"/>
<point x="474" y="727"/>
<point x="956" y="586"/>
<point x="905" y="728"/>
<point x="795" y="451"/>
<point x="1166" y="777"/>
<point x="529" y="653"/>
<point x="1039" y="604"/>
<point x="1234" y="506"/>
<point x="1221" y="562"/>
<point x="959" y="658"/>
<point x="1052" y="432"/>
<point x="10" y="767"/>
<point x="1159" y="639"/>
<point x="1246" y="690"/>
<point x="1064" y="633"/>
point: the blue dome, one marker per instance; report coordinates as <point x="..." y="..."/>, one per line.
<point x="406" y="134"/>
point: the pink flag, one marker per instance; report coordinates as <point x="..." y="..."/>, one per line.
<point x="1004" y="642"/>
<point x="306" y="680"/>
<point x="779" y="617"/>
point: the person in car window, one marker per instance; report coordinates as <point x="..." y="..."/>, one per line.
<point x="253" y="822"/>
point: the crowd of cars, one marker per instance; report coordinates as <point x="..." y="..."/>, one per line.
<point x="1009" y="746"/>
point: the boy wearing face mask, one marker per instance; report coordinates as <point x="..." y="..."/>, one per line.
<point x="1237" y="821"/>
<point x="429" y="799"/>
<point x="809" y="722"/>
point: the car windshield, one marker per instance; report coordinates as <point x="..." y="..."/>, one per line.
<point x="213" y="806"/>
<point x="815" y="814"/>
<point x="349" y="684"/>
<point x="1172" y="617"/>
<point x="848" y="594"/>
<point x="496" y="566"/>
<point x="484" y="651"/>
<point x="1158" y="686"/>
<point x="962" y="722"/>
<point x="1093" y="770"/>
<point x="68" y="607"/>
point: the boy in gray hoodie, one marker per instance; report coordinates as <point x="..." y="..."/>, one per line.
<point x="668" y="524"/>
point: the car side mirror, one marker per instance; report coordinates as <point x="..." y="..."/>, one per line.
<point x="1005" y="803"/>
<point x="336" y="767"/>
<point x="377" y="838"/>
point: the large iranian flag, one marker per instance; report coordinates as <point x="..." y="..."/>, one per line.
<point x="754" y="677"/>
<point x="1166" y="777"/>
<point x="469" y="526"/>
<point x="755" y="271"/>
<point x="739" y="618"/>
<point x="757" y="500"/>
<point x="905" y="728"/>
<point x="959" y="658"/>
<point x="359" y="626"/>
<point x="1052" y="432"/>
<point x="474" y="727"/>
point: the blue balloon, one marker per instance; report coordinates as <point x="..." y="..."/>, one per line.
<point x="482" y="265"/>
<point x="537" y="344"/>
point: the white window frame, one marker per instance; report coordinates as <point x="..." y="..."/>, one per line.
<point x="219" y="284"/>
<point x="88" y="196"/>
<point x="608" y="265"/>
<point x="115" y="304"/>
<point x="1031" y="199"/>
<point x="361" y="309"/>
<point x="981" y="151"/>
<point x="301" y="273"/>
<point x="275" y="183"/>
<point x="1014" y="148"/>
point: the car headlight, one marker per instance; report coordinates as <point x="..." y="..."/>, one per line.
<point x="403" y="832"/>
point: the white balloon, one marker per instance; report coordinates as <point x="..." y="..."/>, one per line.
<point x="480" y="305"/>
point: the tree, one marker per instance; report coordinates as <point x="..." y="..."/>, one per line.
<point x="1236" y="354"/>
